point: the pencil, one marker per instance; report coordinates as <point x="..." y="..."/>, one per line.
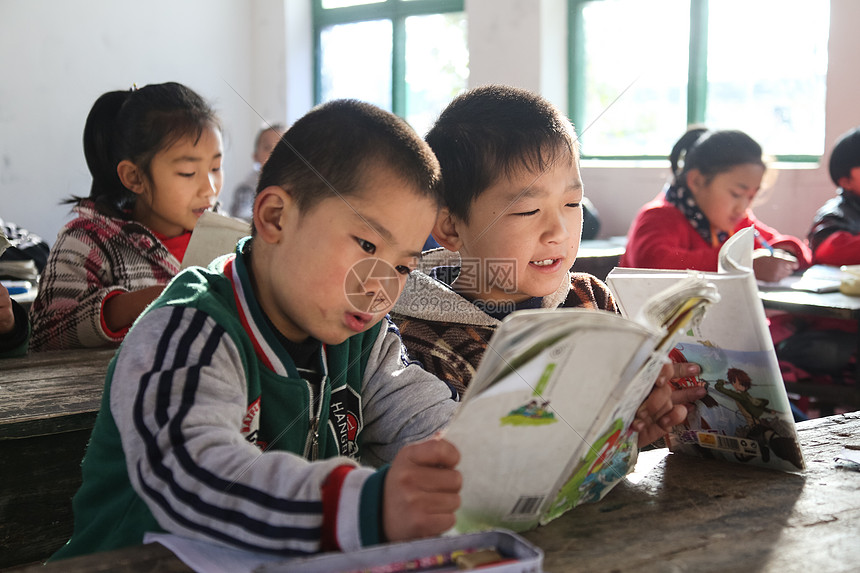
<point x="764" y="242"/>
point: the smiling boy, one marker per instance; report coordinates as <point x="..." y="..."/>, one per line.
<point x="513" y="192"/>
<point x="511" y="228"/>
<point x="240" y="403"/>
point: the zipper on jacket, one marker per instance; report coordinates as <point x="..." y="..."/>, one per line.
<point x="312" y="444"/>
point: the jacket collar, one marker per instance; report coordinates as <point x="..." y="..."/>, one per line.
<point x="426" y="298"/>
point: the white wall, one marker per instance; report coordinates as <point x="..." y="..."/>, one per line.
<point x="56" y="58"/>
<point x="254" y="60"/>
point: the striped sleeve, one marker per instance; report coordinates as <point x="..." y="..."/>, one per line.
<point x="178" y="396"/>
<point x="403" y="403"/>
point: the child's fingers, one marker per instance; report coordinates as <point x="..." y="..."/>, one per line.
<point x="684" y="369"/>
<point x="436" y="452"/>
<point x="688" y="395"/>
<point x="675" y="416"/>
<point x="434" y="479"/>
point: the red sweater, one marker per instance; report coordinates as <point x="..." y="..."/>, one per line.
<point x="662" y="238"/>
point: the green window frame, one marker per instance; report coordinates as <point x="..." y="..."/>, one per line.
<point x="697" y="76"/>
<point x="394" y="10"/>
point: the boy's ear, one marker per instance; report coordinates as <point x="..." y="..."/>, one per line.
<point x="271" y="208"/>
<point x="445" y="230"/>
<point x="131" y="176"/>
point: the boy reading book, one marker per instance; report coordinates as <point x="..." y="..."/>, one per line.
<point x="510" y="226"/>
<point x="238" y="406"/>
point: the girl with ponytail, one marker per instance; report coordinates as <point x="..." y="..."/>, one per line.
<point x="154" y="154"/>
<point x="716" y="176"/>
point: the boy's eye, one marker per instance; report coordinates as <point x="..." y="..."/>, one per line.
<point x="216" y="169"/>
<point x="403" y="269"/>
<point x="527" y="213"/>
<point x="574" y="205"/>
<point x="187" y="174"/>
<point x="366" y="246"/>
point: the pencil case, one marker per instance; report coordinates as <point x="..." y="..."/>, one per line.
<point x="519" y="556"/>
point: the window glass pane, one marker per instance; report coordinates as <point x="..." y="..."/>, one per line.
<point x="646" y="44"/>
<point x="437" y="65"/>
<point x="356" y="62"/>
<point x="344" y="3"/>
<point x="767" y="62"/>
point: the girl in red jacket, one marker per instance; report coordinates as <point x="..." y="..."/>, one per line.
<point x="717" y="174"/>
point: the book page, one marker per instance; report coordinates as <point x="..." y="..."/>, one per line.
<point x="522" y="437"/>
<point x="746" y="416"/>
<point x="213" y="236"/>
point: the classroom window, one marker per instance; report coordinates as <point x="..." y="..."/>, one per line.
<point x="407" y="56"/>
<point x="642" y="70"/>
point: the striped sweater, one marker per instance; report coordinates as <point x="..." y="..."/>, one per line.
<point x="206" y="429"/>
<point x="94" y="256"/>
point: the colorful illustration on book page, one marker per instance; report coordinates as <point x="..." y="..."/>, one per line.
<point x="608" y="460"/>
<point x="536" y="411"/>
<point x="744" y="417"/>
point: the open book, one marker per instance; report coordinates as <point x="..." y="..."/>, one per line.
<point x="746" y="416"/>
<point x="214" y="235"/>
<point x="544" y="424"/>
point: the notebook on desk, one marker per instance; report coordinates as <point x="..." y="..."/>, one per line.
<point x="817" y="278"/>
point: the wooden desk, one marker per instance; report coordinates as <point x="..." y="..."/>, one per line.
<point x="685" y="514"/>
<point x="48" y="405"/>
<point x="829" y="304"/>
<point x="832" y="304"/>
<point x="702" y="515"/>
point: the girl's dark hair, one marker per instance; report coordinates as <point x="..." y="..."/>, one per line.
<point x="712" y="153"/>
<point x="494" y="131"/>
<point x="330" y="151"/>
<point x="136" y="125"/>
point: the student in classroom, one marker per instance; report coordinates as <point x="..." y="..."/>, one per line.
<point x="835" y="234"/>
<point x="243" y="194"/>
<point x="241" y="401"/>
<point x="154" y="154"/>
<point x="510" y="225"/>
<point x="716" y="177"/>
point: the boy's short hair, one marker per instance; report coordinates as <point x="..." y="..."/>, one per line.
<point x="327" y="153"/>
<point x="845" y="155"/>
<point x="491" y="131"/>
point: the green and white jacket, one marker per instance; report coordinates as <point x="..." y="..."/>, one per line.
<point x="206" y="429"/>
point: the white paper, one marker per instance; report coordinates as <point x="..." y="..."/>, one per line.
<point x="207" y="557"/>
<point x="213" y="236"/>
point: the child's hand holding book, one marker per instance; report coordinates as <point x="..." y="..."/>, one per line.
<point x="665" y="407"/>
<point x="421" y="491"/>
